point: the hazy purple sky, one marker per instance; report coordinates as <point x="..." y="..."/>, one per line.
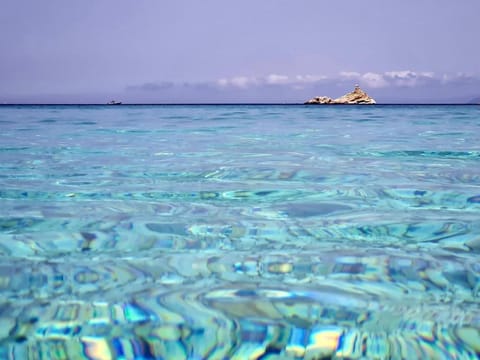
<point x="237" y="51"/>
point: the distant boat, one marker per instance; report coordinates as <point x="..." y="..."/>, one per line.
<point x="113" y="102"/>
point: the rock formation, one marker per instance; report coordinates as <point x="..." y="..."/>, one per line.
<point x="320" y="100"/>
<point x="357" y="96"/>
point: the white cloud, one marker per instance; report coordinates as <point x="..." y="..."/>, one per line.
<point x="242" y="82"/>
<point x="374" y="80"/>
<point x="408" y="78"/>
<point x="369" y="79"/>
<point x="459" y="78"/>
<point x="350" y="75"/>
<point x="399" y="78"/>
<point x="309" y="78"/>
<point x="222" y="82"/>
<point x="403" y="74"/>
<point x="274" y="79"/>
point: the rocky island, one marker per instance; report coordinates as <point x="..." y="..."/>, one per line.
<point x="357" y="96"/>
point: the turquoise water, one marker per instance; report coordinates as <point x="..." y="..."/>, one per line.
<point x="239" y="232"/>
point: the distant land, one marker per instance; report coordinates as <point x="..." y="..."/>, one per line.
<point x="475" y="100"/>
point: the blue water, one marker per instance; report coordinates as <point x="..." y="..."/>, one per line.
<point x="239" y="232"/>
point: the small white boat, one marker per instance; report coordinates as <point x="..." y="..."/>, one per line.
<point x="113" y="102"/>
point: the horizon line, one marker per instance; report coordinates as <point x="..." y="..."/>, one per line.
<point x="233" y="104"/>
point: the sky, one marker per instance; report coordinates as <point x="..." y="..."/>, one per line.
<point x="215" y="51"/>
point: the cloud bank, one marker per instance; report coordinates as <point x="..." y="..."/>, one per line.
<point x="387" y="87"/>
<point x="403" y="78"/>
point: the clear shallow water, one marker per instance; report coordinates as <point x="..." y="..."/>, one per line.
<point x="237" y="232"/>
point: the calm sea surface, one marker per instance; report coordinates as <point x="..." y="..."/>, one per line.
<point x="239" y="232"/>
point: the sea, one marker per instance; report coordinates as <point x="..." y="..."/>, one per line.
<point x="239" y="232"/>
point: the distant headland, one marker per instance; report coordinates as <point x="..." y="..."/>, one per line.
<point x="475" y="101"/>
<point x="357" y="96"/>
